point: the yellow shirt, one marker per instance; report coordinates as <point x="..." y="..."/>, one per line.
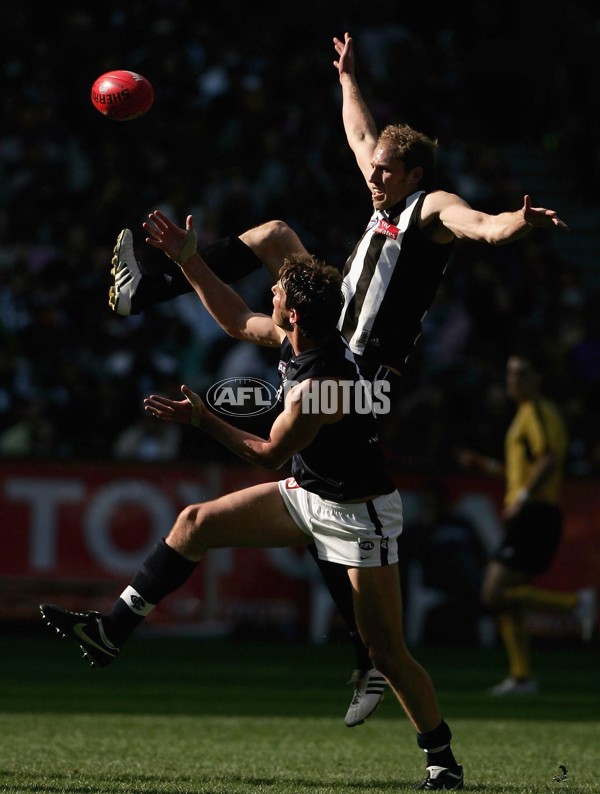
<point x="537" y="428"/>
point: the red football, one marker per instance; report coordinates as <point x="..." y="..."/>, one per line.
<point x="122" y="95"/>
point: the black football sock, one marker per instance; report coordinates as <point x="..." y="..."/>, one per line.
<point x="336" y="578"/>
<point x="436" y="745"/>
<point x="159" y="288"/>
<point x="229" y="258"/>
<point x="163" y="571"/>
<point x="363" y="660"/>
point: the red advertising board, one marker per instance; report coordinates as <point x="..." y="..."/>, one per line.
<point x="75" y="534"/>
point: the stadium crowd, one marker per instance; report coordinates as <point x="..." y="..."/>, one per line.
<point x="246" y="127"/>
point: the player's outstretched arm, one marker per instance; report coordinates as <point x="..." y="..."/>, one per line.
<point x="359" y="125"/>
<point x="223" y="303"/>
<point x="482" y="464"/>
<point x="467" y="223"/>
<point x="294" y="428"/>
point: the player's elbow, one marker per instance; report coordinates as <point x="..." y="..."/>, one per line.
<point x="234" y="331"/>
<point x="271" y="459"/>
<point x="235" y="326"/>
<point x="273" y="463"/>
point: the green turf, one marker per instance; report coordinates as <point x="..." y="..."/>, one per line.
<point x="221" y="717"/>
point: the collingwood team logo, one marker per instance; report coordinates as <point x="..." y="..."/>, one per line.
<point x="242" y="396"/>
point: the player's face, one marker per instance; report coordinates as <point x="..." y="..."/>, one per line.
<point x="389" y="181"/>
<point x="280" y="312"/>
<point x="521" y="379"/>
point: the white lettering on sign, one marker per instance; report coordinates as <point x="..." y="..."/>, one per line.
<point x="44" y="498"/>
<point x="108" y="501"/>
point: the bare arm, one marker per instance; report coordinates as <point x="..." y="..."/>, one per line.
<point x="541" y="471"/>
<point x="456" y="216"/>
<point x="222" y="302"/>
<point x="359" y="124"/>
<point x="475" y="461"/>
<point x="292" y="430"/>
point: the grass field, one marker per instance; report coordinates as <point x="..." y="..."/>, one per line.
<point x="223" y="717"/>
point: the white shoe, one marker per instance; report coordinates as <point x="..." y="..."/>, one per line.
<point x="126" y="272"/>
<point x="512" y="686"/>
<point x="586" y="613"/>
<point x="368" y="693"/>
<point x="441" y="779"/>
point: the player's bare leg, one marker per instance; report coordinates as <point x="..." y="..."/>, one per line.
<point x="255" y="517"/>
<point x="272" y="242"/>
<point x="378" y="610"/>
<point x="134" y="290"/>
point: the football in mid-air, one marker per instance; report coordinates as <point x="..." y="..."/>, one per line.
<point x="122" y="95"/>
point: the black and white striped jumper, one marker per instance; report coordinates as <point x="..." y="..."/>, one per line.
<point x="390" y="281"/>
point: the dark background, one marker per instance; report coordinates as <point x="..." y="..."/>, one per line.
<point x="246" y="127"/>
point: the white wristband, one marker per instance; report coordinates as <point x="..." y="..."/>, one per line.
<point x="189" y="247"/>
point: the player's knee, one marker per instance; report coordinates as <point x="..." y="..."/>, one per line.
<point x="262" y="238"/>
<point x="271" y="241"/>
<point x="275" y="231"/>
<point x="387" y="656"/>
<point x="188" y="526"/>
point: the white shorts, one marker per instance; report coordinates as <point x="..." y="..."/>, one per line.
<point x="361" y="535"/>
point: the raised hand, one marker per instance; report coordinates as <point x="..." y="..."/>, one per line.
<point x="345" y="51"/>
<point x="540" y="216"/>
<point x="178" y="244"/>
<point x="186" y="412"/>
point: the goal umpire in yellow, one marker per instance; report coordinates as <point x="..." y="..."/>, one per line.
<point x="535" y="452"/>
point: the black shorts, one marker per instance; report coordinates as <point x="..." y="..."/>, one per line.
<point x="531" y="538"/>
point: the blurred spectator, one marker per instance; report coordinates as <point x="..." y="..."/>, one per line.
<point x="149" y="441"/>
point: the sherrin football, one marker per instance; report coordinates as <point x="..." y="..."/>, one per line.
<point x="122" y="95"/>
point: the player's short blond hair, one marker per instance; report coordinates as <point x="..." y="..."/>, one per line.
<point x="414" y="148"/>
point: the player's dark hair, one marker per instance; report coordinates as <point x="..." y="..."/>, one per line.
<point x="414" y="148"/>
<point x="314" y="290"/>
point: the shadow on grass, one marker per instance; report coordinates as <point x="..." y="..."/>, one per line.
<point x="218" y="784"/>
<point x="225" y="677"/>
